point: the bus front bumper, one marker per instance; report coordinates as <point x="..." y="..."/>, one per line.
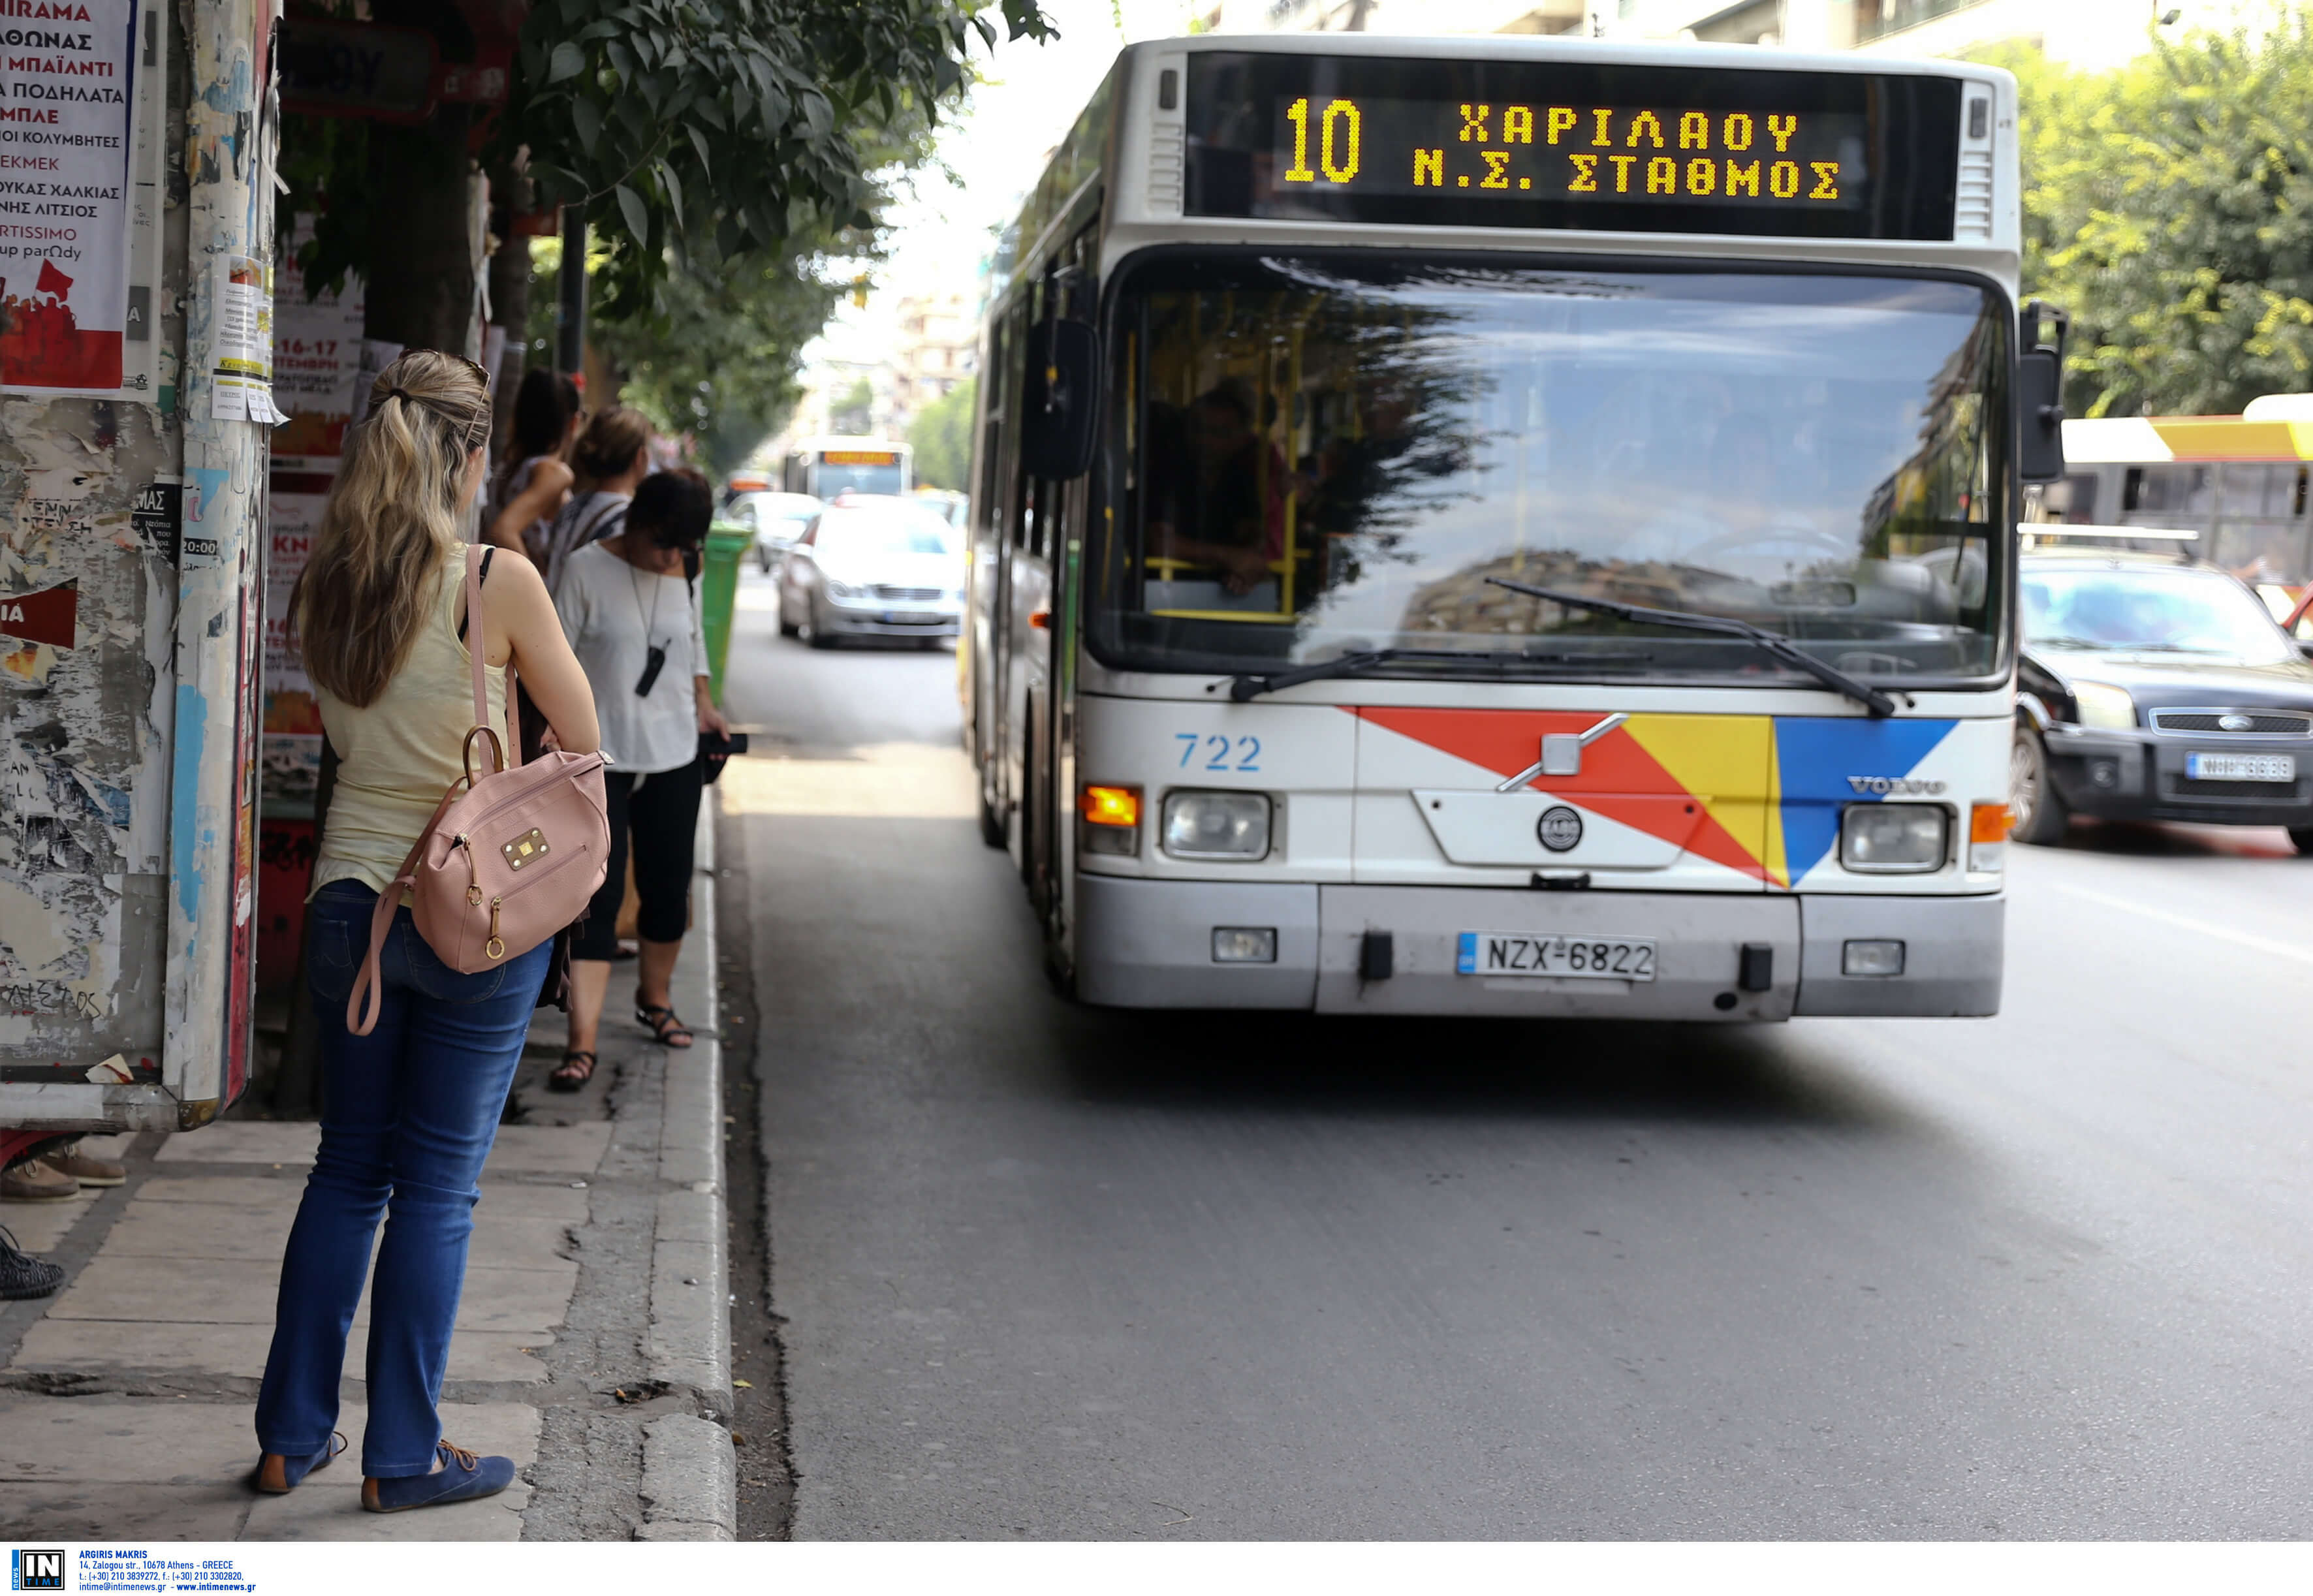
<point x="1151" y="944"/>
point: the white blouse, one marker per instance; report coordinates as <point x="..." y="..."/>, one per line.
<point x="612" y="612"/>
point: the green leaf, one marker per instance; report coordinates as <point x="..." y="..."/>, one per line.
<point x="586" y="118"/>
<point x="637" y="217"/>
<point x="568" y="61"/>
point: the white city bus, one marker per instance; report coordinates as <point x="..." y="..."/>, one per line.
<point x="1511" y="526"/>
<point x="825" y="466"/>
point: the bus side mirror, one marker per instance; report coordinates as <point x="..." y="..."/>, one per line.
<point x="2039" y="402"/>
<point x="1060" y="400"/>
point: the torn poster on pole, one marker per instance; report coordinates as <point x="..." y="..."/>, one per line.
<point x="67" y="182"/>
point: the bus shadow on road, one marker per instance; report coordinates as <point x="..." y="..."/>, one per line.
<point x="1567" y="1070"/>
<point x="2150" y="839"/>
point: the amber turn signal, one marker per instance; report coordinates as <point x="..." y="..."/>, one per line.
<point x="1988" y="822"/>
<point x="1110" y="806"/>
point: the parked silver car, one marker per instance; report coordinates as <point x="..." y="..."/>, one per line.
<point x="872" y="566"/>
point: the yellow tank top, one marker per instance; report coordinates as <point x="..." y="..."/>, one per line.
<point x="397" y="756"/>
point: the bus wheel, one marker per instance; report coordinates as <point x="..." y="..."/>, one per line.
<point x="2035" y="810"/>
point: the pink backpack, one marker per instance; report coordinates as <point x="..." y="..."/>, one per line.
<point x="508" y="860"/>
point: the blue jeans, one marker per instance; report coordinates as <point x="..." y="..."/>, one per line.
<point x="409" y="1114"/>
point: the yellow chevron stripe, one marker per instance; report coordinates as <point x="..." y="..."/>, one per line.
<point x="1728" y="762"/>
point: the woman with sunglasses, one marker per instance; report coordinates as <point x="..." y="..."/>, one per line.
<point x="408" y="1111"/>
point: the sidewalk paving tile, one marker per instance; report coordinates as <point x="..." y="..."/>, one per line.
<point x="241" y="1291"/>
<point x="186" y="1229"/>
<point x="245" y="1141"/>
<point x="106" y="1512"/>
<point x="516" y="1197"/>
<point x="119" y="1469"/>
<point x="550" y="1149"/>
<point x="90" y="1345"/>
<point x="39" y="1227"/>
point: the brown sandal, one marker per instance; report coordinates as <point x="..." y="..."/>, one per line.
<point x="570" y="1075"/>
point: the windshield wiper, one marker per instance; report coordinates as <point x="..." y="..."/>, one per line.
<point x="1249" y="686"/>
<point x="1772" y="643"/>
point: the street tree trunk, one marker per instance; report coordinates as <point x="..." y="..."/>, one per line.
<point x="509" y="299"/>
<point x="421" y="275"/>
<point x="423" y="235"/>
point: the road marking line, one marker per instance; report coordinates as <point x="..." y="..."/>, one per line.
<point x="2263" y="944"/>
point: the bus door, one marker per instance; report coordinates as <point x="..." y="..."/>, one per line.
<point x="1041" y="604"/>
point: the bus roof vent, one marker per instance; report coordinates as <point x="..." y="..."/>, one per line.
<point x="1972" y="218"/>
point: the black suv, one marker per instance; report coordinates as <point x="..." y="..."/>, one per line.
<point x="2152" y="688"/>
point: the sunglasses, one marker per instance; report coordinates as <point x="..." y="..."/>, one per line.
<point x="478" y="431"/>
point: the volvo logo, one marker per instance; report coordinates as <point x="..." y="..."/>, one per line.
<point x="1882" y="787"/>
<point x="2234" y="723"/>
<point x="1560" y="828"/>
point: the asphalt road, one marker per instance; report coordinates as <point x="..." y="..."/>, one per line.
<point x="1056" y="1272"/>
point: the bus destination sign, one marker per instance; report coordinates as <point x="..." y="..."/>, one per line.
<point x="1649" y="154"/>
<point x="1572" y="144"/>
<point x="861" y="457"/>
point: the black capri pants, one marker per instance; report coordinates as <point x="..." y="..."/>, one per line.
<point x="661" y="812"/>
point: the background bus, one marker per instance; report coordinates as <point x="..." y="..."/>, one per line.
<point x="2240" y="482"/>
<point x="1305" y="345"/>
<point x="825" y="466"/>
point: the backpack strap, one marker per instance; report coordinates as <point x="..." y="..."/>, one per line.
<point x="477" y="650"/>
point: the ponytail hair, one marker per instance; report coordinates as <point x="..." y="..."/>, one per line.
<point x="391" y="518"/>
<point x="607" y="448"/>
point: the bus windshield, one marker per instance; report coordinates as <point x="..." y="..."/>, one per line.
<point x="1332" y="454"/>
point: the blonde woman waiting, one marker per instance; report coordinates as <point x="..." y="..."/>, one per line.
<point x="410" y="1110"/>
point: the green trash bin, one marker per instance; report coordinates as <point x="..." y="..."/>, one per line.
<point x="726" y="546"/>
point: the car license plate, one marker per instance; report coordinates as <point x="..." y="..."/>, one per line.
<point x="1518" y="953"/>
<point x="907" y="617"/>
<point x="2240" y="768"/>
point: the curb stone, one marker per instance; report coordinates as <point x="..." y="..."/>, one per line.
<point x="690" y="1486"/>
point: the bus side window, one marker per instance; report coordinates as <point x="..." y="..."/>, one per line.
<point x="2132" y="489"/>
<point x="1014" y="342"/>
<point x="992" y="433"/>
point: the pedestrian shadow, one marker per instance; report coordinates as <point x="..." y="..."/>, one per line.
<point x="1558" y="1070"/>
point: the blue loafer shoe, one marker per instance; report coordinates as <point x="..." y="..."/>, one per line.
<point x="462" y="1478"/>
<point x="294" y="1469"/>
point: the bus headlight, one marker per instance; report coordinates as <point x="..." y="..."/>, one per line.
<point x="1217" y="825"/>
<point x="2105" y="706"/>
<point x="1893" y="839"/>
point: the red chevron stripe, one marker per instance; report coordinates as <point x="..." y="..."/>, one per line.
<point x="1613" y="768"/>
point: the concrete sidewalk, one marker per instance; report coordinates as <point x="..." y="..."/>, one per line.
<point x="592" y="1343"/>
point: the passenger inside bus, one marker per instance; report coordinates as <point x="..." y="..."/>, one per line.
<point x="1211" y="502"/>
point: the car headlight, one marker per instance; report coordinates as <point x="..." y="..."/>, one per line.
<point x="841" y="590"/>
<point x="2103" y="705"/>
<point x="1893" y="839"/>
<point x="1217" y="825"/>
